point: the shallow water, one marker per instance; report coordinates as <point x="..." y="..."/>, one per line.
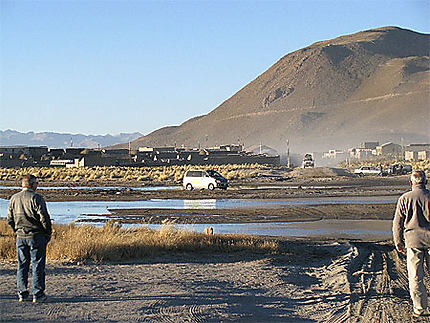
<point x="352" y="229"/>
<point x="70" y="211"/>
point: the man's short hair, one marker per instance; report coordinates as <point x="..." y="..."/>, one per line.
<point x="418" y="177"/>
<point x="28" y="180"/>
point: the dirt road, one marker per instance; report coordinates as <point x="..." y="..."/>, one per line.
<point x="311" y="282"/>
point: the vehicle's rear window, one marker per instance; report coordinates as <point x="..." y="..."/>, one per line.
<point x="194" y="173"/>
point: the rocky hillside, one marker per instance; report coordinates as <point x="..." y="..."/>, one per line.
<point x="372" y="85"/>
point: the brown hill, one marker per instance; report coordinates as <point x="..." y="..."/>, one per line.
<point x="372" y="85"/>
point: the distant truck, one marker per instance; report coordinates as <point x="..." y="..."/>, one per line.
<point x="308" y="161"/>
<point x="368" y="170"/>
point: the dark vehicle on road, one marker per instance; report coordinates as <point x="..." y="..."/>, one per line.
<point x="399" y="169"/>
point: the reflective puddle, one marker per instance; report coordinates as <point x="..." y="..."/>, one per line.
<point x="67" y="212"/>
<point x="358" y="229"/>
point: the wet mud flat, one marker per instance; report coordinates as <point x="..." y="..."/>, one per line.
<point x="255" y="189"/>
<point x="307" y="281"/>
<point x="383" y="211"/>
<point x="128" y="194"/>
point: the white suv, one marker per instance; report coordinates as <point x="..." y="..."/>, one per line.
<point x="209" y="179"/>
<point x="368" y="170"/>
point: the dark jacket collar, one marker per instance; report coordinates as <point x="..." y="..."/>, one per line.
<point x="419" y="187"/>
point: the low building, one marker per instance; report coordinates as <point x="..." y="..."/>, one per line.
<point x="56" y="153"/>
<point x="145" y="149"/>
<point x="332" y="157"/>
<point x="61" y="162"/>
<point x="417" y="151"/>
<point x="262" y="149"/>
<point x="116" y="151"/>
<point x="103" y="161"/>
<point x="423" y="155"/>
<point x="389" y="149"/>
<point x="34" y="153"/>
<point x="335" y="154"/>
<point x="7" y="161"/>
<point x="369" y="145"/>
<point x="361" y="153"/>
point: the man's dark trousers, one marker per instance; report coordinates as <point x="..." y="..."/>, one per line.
<point x="33" y="249"/>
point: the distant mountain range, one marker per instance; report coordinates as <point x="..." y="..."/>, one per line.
<point x="63" y="140"/>
<point x="369" y="86"/>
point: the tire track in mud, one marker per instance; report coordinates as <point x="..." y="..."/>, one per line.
<point x="368" y="283"/>
<point x="379" y="285"/>
<point x="55" y="311"/>
<point x="158" y="311"/>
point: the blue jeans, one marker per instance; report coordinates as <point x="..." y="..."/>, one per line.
<point x="33" y="249"/>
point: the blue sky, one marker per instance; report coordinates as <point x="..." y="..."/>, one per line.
<point x="98" y="67"/>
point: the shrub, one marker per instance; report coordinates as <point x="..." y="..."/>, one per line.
<point x="114" y="243"/>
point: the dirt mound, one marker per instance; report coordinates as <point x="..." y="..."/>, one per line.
<point x="320" y="172"/>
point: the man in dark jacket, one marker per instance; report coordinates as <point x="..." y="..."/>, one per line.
<point x="411" y="230"/>
<point x="30" y="220"/>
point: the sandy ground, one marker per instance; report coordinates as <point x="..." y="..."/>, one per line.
<point x="333" y="281"/>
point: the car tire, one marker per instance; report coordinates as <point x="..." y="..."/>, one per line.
<point x="189" y="187"/>
<point x="211" y="187"/>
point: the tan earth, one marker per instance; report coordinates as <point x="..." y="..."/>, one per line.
<point x="333" y="281"/>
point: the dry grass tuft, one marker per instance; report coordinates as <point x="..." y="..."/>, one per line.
<point x="160" y="174"/>
<point x="7" y="241"/>
<point x="113" y="243"/>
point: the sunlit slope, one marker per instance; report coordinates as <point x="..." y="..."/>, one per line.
<point x="372" y="85"/>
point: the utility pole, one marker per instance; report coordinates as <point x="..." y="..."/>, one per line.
<point x="403" y="148"/>
<point x="288" y="153"/>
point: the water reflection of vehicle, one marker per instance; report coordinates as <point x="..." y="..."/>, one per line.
<point x="200" y="204"/>
<point x="209" y="179"/>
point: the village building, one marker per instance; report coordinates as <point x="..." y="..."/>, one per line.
<point x="369" y="145"/>
<point x="361" y="153"/>
<point x="262" y="149"/>
<point x="417" y="152"/>
<point x="389" y="149"/>
<point x="61" y="162"/>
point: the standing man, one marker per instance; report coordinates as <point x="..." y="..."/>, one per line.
<point x="29" y="219"/>
<point x="411" y="230"/>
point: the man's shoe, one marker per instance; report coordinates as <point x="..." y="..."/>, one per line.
<point x="40" y="299"/>
<point x="22" y="297"/>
